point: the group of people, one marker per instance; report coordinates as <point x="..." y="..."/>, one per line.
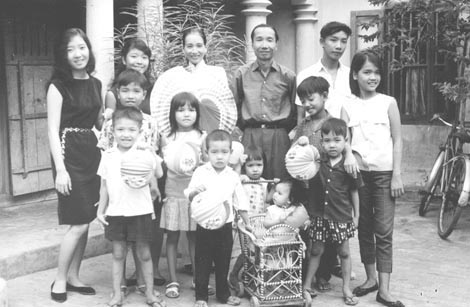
<point x="160" y="158"/>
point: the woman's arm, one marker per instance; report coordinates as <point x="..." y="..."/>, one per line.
<point x="63" y="184"/>
<point x="395" y="129"/>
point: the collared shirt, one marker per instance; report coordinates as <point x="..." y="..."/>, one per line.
<point x="226" y="183"/>
<point x="336" y="185"/>
<point x="263" y="99"/>
<point x="123" y="200"/>
<point x="311" y="129"/>
<point x="339" y="88"/>
<point x="371" y="133"/>
<point x="147" y="138"/>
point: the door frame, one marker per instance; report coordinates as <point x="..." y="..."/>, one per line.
<point x="5" y="182"/>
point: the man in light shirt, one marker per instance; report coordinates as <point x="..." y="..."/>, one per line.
<point x="333" y="39"/>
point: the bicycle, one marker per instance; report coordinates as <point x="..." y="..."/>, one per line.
<point x="437" y="178"/>
<point x="455" y="180"/>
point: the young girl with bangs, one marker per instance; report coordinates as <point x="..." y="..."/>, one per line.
<point x="374" y="122"/>
<point x="184" y="118"/>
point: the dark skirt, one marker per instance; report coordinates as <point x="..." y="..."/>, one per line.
<point x="81" y="159"/>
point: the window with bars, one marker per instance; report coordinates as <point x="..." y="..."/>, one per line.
<point x="421" y="65"/>
<point x="412" y="60"/>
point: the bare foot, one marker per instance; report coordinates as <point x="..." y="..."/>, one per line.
<point x="116" y="300"/>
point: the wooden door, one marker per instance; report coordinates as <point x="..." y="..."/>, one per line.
<point x="28" y="58"/>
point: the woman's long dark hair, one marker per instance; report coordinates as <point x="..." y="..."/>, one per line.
<point x="62" y="71"/>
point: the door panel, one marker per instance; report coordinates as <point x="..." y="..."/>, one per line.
<point x="29" y="145"/>
<point x="28" y="54"/>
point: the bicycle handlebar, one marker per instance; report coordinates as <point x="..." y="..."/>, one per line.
<point x="437" y="116"/>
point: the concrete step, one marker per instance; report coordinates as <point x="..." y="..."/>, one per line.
<point x="30" y="239"/>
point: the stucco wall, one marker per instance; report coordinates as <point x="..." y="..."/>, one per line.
<point x="339" y="10"/>
<point x="282" y="19"/>
<point x="420" y="147"/>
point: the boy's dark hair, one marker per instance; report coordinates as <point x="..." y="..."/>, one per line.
<point x="335" y="125"/>
<point x="132" y="113"/>
<point x="218" y="135"/>
<point x="334" y="27"/>
<point x="312" y="85"/>
<point x="263" y="25"/>
<point x="129" y="76"/>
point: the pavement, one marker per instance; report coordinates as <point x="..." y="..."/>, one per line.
<point x="428" y="271"/>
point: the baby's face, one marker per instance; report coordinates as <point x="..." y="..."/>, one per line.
<point x="281" y="195"/>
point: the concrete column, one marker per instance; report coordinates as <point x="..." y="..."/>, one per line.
<point x="100" y="31"/>
<point x="255" y="14"/>
<point x="150" y="29"/>
<point x="306" y="33"/>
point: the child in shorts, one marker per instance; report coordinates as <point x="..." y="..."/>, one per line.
<point x="126" y="210"/>
<point x="336" y="218"/>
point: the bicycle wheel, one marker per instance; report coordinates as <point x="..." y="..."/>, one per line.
<point x="434" y="180"/>
<point x="450" y="211"/>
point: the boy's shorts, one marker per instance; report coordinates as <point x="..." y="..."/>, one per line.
<point x="129" y="228"/>
<point x="324" y="230"/>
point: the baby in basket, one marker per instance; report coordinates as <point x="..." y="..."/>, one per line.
<point x="283" y="211"/>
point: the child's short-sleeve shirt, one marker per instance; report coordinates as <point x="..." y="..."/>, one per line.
<point x="148" y="137"/>
<point x="274" y="212"/>
<point x="311" y="129"/>
<point x="370" y="128"/>
<point x="123" y="200"/>
<point x="227" y="183"/>
<point x="336" y="186"/>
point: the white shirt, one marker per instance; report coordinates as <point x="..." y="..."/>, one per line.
<point x="339" y="88"/>
<point x="123" y="200"/>
<point x="227" y="182"/>
<point x="371" y="132"/>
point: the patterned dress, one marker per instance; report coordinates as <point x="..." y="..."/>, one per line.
<point x="175" y="210"/>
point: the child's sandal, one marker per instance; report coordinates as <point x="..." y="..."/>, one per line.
<point x="160" y="303"/>
<point x="200" y="304"/>
<point x="172" y="290"/>
<point x="233" y="301"/>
